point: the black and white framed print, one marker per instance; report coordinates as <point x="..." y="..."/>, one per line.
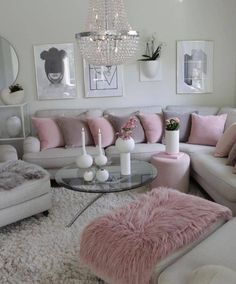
<point x="55" y="71"/>
<point x="103" y="81"/>
<point x="194" y="67"/>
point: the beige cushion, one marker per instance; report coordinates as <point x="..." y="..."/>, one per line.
<point x="218" y="249"/>
<point x="213" y="274"/>
<point x="57" y="157"/>
<point x="231" y="117"/>
<point x="218" y="176"/>
<point x="141" y="151"/>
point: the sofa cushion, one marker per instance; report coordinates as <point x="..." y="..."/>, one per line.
<point x="49" y="133"/>
<point x="128" y="110"/>
<point x="218" y="176"/>
<point x="231" y="117"/>
<point x="107" y="131"/>
<point x="232" y="156"/>
<point x="69" y="112"/>
<point x="119" y="121"/>
<point x="57" y="157"/>
<point x="141" y="151"/>
<point x="226" y="141"/>
<point x="185" y="122"/>
<point x="153" y="126"/>
<point x="71" y="128"/>
<point x="212" y="274"/>
<point x="207" y="130"/>
<point x="194" y="148"/>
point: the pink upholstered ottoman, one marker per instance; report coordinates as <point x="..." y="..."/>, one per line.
<point x="172" y="173"/>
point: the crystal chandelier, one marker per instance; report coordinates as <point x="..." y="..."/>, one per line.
<point x="110" y="39"/>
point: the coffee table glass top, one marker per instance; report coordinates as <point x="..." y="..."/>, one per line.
<point x="142" y="173"/>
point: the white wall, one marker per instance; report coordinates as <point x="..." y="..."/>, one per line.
<point x="28" y="22"/>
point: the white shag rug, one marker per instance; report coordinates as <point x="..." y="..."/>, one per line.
<point x="42" y="250"/>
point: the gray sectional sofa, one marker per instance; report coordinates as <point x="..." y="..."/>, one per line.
<point x="210" y="172"/>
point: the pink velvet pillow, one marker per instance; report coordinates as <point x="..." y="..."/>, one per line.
<point x="207" y="130"/>
<point x="226" y="141"/>
<point x="48" y="131"/>
<point x="107" y="131"/>
<point x="153" y="126"/>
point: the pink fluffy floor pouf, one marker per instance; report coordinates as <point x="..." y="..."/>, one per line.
<point x="124" y="246"/>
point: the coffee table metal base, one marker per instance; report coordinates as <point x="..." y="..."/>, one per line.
<point x="82" y="210"/>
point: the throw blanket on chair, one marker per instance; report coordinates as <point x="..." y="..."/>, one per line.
<point x="124" y="246"/>
<point x="15" y="173"/>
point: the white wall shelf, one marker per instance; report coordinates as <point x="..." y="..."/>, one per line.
<point x="22" y="112"/>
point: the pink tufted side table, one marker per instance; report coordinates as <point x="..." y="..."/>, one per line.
<point x="172" y="172"/>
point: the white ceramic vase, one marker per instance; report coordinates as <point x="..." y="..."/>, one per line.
<point x="15" y="98"/>
<point x="125" y="146"/>
<point x="172" y="141"/>
<point x="102" y="175"/>
<point x="150" y="68"/>
<point x="13" y="126"/>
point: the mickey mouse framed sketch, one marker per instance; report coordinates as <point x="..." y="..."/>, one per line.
<point x="55" y="71"/>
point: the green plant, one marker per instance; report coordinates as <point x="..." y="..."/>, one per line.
<point x="172" y="124"/>
<point x="15" y="87"/>
<point x="152" y="52"/>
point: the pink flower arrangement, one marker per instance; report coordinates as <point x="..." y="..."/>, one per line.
<point x="127" y="128"/>
<point x="172" y="123"/>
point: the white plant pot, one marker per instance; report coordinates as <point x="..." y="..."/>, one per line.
<point x="172" y="141"/>
<point x="88" y="175"/>
<point x="13" y="126"/>
<point x="102" y="175"/>
<point x="150" y="68"/>
<point x="15" y="98"/>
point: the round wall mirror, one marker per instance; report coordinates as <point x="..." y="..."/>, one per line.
<point x="9" y="64"/>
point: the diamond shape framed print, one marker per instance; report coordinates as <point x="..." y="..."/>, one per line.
<point x="194" y="66"/>
<point x="103" y="81"/>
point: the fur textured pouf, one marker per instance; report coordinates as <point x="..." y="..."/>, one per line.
<point x="41" y="250"/>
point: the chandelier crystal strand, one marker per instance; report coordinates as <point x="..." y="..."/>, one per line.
<point x="110" y="39"/>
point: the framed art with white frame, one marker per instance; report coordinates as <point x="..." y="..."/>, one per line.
<point x="194" y="66"/>
<point x="55" y="71"/>
<point x="103" y="81"/>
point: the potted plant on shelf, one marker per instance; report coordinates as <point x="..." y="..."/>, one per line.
<point x="172" y="135"/>
<point x="14" y="95"/>
<point x="150" y="63"/>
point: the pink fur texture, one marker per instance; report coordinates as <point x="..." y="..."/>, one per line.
<point x="124" y="246"/>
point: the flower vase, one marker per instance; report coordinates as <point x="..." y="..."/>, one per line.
<point x="125" y="146"/>
<point x="84" y="161"/>
<point x="172" y="141"/>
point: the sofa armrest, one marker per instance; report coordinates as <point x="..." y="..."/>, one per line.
<point x="31" y="145"/>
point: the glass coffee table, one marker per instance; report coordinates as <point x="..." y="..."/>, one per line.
<point x="71" y="177"/>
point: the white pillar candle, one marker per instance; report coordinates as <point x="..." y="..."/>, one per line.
<point x="83" y="139"/>
<point x="99" y="139"/>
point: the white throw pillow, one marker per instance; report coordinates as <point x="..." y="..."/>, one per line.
<point x="213" y="274"/>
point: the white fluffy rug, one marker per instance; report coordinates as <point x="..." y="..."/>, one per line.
<point x="42" y="250"/>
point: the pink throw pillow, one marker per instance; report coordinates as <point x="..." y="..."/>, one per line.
<point x="206" y="130"/>
<point x="226" y="141"/>
<point x="107" y="131"/>
<point x="49" y="132"/>
<point x="153" y="126"/>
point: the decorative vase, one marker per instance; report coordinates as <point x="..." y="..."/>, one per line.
<point x="172" y="141"/>
<point x="14" y="98"/>
<point x="150" y="68"/>
<point x="13" y="126"/>
<point x="102" y="175"/>
<point x="125" y="146"/>
<point x="88" y="175"/>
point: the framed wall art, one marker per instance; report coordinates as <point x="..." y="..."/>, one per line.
<point x="55" y="71"/>
<point x="103" y="81"/>
<point x="194" y="67"/>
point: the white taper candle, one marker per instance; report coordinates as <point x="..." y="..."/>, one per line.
<point x="83" y="139"/>
<point x="99" y="139"/>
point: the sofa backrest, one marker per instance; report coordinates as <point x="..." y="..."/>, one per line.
<point x="231" y="118"/>
<point x="68" y="112"/>
<point x="128" y="110"/>
<point x="202" y="110"/>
